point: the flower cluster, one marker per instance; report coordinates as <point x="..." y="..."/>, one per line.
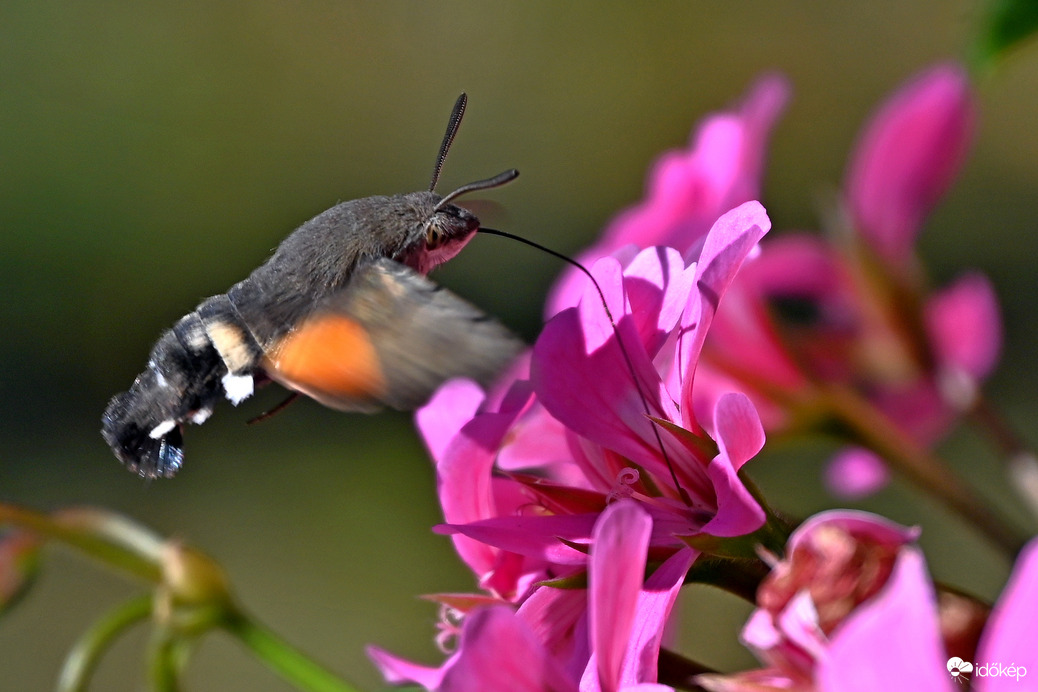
<point x="605" y="470"/>
<point x="850" y="312"/>
<point x="624" y="475"/>
<point x="852" y="607"/>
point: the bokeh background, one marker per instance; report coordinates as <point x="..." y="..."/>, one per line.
<point x="152" y="154"/>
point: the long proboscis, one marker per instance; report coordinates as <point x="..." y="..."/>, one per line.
<point x="616" y="330"/>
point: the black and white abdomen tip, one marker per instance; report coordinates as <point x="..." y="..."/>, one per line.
<point x="207" y="355"/>
<point x="157" y="452"/>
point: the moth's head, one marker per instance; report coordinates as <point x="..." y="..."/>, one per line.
<point x="446" y="227"/>
<point x="446" y="231"/>
<point x="436" y="231"/>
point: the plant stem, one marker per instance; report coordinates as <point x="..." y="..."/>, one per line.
<point x="82" y="660"/>
<point x="99" y="548"/>
<point x="1005" y="438"/>
<point x="920" y="466"/>
<point x="165" y="661"/>
<point x="679" y="672"/>
<point x="281" y="657"/>
<point x="1021" y="462"/>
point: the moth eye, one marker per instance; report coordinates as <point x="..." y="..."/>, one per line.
<point x="433" y="237"/>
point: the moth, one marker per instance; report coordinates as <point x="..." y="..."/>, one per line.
<point x="342" y="312"/>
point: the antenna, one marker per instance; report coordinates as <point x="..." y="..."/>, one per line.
<point x="623" y="349"/>
<point x="497" y="181"/>
<point x="448" y="137"/>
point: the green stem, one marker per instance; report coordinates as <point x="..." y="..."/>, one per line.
<point x="920" y="466"/>
<point x="679" y="672"/>
<point x="100" y="548"/>
<point x="740" y="577"/>
<point x="281" y="657"/>
<point x="1002" y="434"/>
<point x="1020" y="461"/>
<point x="776" y="529"/>
<point x="165" y="662"/>
<point x="82" y="660"/>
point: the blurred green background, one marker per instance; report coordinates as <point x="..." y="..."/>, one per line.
<point x="152" y="154"/>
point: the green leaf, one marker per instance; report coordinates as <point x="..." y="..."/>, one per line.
<point x="702" y="447"/>
<point x="574" y="581"/>
<point x="1004" y="25"/>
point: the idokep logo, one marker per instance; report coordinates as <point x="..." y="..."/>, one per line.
<point x="962" y="670"/>
<point x="959" y="669"/>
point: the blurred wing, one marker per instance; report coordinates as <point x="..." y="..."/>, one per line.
<point x="390" y="337"/>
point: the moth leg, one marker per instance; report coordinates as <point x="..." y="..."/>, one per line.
<point x="292" y="396"/>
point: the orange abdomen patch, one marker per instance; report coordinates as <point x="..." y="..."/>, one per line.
<point x="329" y="358"/>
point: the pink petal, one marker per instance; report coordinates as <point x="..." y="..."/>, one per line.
<point x="729" y="242"/>
<point x="864" y="526"/>
<point x="739" y="436"/>
<point x="738" y="513"/>
<point x="465" y="489"/>
<point x="799" y="264"/>
<point x="398" y="671"/>
<point x="893" y="639"/>
<point x="965" y="327"/>
<point x="744" y="334"/>
<point x="558" y="618"/>
<point x="737" y="427"/>
<point x="657" y="286"/>
<point x="498" y="652"/>
<point x="919" y="408"/>
<point x="594" y="320"/>
<point x="451" y="407"/>
<point x="762" y="106"/>
<point x="583" y="378"/>
<point x="615" y="573"/>
<point x="532" y="536"/>
<point x="655" y="602"/>
<point x="798" y="621"/>
<point x="1012" y="631"/>
<point x="760" y="632"/>
<point x="536" y="440"/>
<point x="907" y="157"/>
<point x="773" y="639"/>
<point x="687" y="190"/>
<point x="855" y="473"/>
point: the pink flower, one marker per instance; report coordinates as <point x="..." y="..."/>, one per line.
<point x="604" y="386"/>
<point x="852" y="607"/>
<point x="463" y="442"/>
<point x="854" y="473"/>
<point x="627" y="479"/>
<point x="625" y="617"/>
<point x="810" y="313"/>
<point x="800" y="315"/>
<point x="610" y="642"/>
<point x="907" y="158"/>
<point x="496" y="651"/>
<point x="689" y="189"/>
<point x="902" y="624"/>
